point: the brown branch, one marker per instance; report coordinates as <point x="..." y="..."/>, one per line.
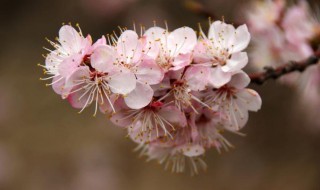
<point x="275" y="73"/>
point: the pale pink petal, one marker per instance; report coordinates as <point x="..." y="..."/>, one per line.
<point x="58" y="84"/>
<point x="236" y="62"/>
<point x="192" y="150"/>
<point x="140" y="97"/>
<point x="249" y="99"/>
<point x="239" y="80"/>
<point x="200" y="54"/>
<point x="70" y="39"/>
<point x="221" y="34"/>
<point x="197" y="77"/>
<point x="80" y="73"/>
<point x="69" y="65"/>
<point x="129" y="47"/>
<point x="156" y="38"/>
<point x="237" y="118"/>
<point x="102" y="59"/>
<point x="173" y="115"/>
<point x="122" y="82"/>
<point x="181" y="61"/>
<point x="77" y="100"/>
<point x="102" y="41"/>
<point x="122" y="117"/>
<point x="161" y="88"/>
<point x="105" y="106"/>
<point x="181" y="41"/>
<point x="241" y="41"/>
<point x="219" y="78"/>
<point x="156" y="35"/>
<point x="149" y="72"/>
<point x="52" y="59"/>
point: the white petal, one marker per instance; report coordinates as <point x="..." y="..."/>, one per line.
<point x="236" y="62"/>
<point x="197" y="77"/>
<point x="237" y="117"/>
<point x="200" y="54"/>
<point x="156" y="38"/>
<point x="221" y="34"/>
<point x="140" y="97"/>
<point x="219" y="78"/>
<point x="58" y="85"/>
<point x="173" y="115"/>
<point x="69" y="65"/>
<point x="181" y="41"/>
<point x="192" y="150"/>
<point x="122" y="82"/>
<point x="103" y="58"/>
<point x="70" y="39"/>
<point x="129" y="47"/>
<point x="249" y="99"/>
<point x="149" y="72"/>
<point x="239" y="80"/>
<point x="242" y="39"/>
<point x="181" y="61"/>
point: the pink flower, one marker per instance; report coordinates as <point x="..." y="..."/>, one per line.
<point x="150" y="122"/>
<point x="178" y="159"/>
<point x="172" y="93"/>
<point x="298" y="24"/>
<point x="221" y="51"/>
<point x="69" y="52"/>
<point x="234" y="100"/>
<point x="96" y="80"/>
<point x="171" y="50"/>
<point x="265" y="15"/>
<point x="207" y="130"/>
<point x="130" y="55"/>
<point x="184" y="87"/>
<point x="178" y="153"/>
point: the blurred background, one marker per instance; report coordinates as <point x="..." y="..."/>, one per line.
<point x="47" y="145"/>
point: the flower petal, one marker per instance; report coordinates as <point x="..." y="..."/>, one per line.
<point x="197" y="77"/>
<point x="249" y="99"/>
<point x="58" y="84"/>
<point x="192" y="150"/>
<point x="181" y="41"/>
<point x="148" y="72"/>
<point x="219" y="78"/>
<point x="239" y="80"/>
<point x="122" y="117"/>
<point x="173" y="115"/>
<point x="221" y="34"/>
<point x="102" y="59"/>
<point x="69" y="65"/>
<point x="140" y="97"/>
<point x="70" y="39"/>
<point x="122" y="82"/>
<point x="242" y="39"/>
<point x="181" y="61"/>
<point x="129" y="47"/>
<point x="236" y="62"/>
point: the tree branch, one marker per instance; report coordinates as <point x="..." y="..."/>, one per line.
<point x="274" y="73"/>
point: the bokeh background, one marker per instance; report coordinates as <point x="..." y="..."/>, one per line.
<point x="47" y="145"/>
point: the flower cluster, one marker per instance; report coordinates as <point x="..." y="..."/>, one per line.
<point x="174" y="92"/>
<point x="282" y="34"/>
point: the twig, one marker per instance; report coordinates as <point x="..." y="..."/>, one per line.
<point x="275" y="73"/>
